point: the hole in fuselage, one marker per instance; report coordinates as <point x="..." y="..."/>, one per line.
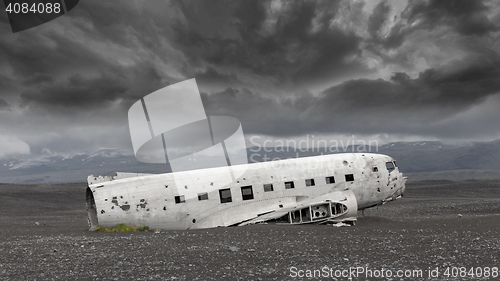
<point x="91" y="209"/>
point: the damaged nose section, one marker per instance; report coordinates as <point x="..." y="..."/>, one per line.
<point x="403" y="185"/>
<point x="91" y="210"/>
<point x="399" y="192"/>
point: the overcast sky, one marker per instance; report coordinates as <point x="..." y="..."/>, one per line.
<point x="387" y="70"/>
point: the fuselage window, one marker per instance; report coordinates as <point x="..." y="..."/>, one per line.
<point x="268" y="187"/>
<point x="310" y="182"/>
<point x="330" y="180"/>
<point x="375" y="169"/>
<point x="180" y="199"/>
<point x="390" y="166"/>
<point x="349" y="177"/>
<point x="203" y="196"/>
<point x="289" y="185"/>
<point x="246" y="192"/>
<point x="225" y="195"/>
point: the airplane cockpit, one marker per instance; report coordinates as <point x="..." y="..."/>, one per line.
<point x="391" y="166"/>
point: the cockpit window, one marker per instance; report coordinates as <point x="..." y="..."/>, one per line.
<point x="390" y="166"/>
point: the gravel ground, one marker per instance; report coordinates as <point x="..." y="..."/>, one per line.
<point x="439" y="227"/>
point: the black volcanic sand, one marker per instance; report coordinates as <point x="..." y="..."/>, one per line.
<point x="443" y="225"/>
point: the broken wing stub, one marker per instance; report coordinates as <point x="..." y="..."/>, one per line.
<point x="335" y="207"/>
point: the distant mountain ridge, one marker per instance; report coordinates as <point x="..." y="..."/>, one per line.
<point x="434" y="160"/>
<point x="419" y="160"/>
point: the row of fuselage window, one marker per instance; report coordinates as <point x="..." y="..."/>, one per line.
<point x="247" y="191"/>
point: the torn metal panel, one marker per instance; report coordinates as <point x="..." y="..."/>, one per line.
<point x="337" y="206"/>
<point x="328" y="188"/>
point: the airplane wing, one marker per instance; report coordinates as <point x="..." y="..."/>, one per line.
<point x="337" y="206"/>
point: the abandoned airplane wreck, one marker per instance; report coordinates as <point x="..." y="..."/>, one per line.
<point x="318" y="189"/>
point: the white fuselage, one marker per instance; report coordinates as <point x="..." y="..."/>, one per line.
<point x="227" y="196"/>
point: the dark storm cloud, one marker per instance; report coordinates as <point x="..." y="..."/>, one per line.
<point x="219" y="39"/>
<point x="127" y="23"/>
<point x="38" y="58"/>
<point x="77" y="91"/>
<point x="387" y="39"/>
<point x="258" y="114"/>
<point x="378" y="17"/>
<point x="466" y="17"/>
<point x="212" y="77"/>
<point x="277" y="61"/>
<point x="460" y="84"/>
<point x="70" y="82"/>
<point x="66" y="73"/>
<point x="366" y="106"/>
<point x="295" y="41"/>
<point x="4" y="105"/>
